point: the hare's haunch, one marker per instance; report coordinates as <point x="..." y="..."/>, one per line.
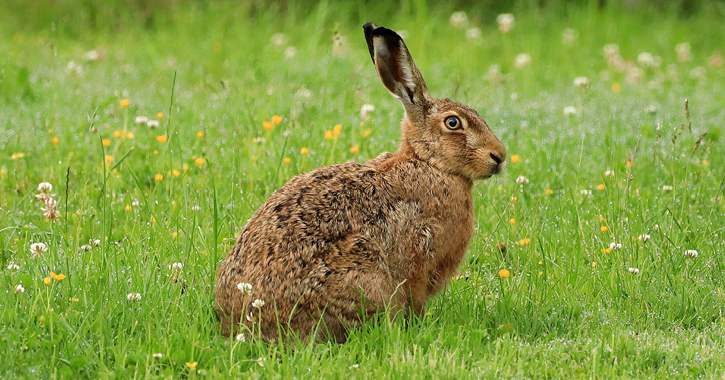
<point x="336" y="245"/>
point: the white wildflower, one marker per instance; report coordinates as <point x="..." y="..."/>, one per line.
<point x="290" y="52"/>
<point x="85" y="248"/>
<point x="195" y="208"/>
<point x="74" y="69"/>
<point x="134" y="297"/>
<point x="153" y="124"/>
<point x="522" y="60"/>
<point x="667" y="188"/>
<point x="568" y="36"/>
<point x="91" y="55"/>
<point x="586" y="192"/>
<point x="339" y="45"/>
<point x="633" y="271"/>
<point x="459" y="19"/>
<point x="683" y="52"/>
<point x="522" y="180"/>
<point x="141" y="120"/>
<point x="19" y="289"/>
<point x="240" y="338"/>
<point x="650" y="109"/>
<point x="176" y="268"/>
<point x="645" y="59"/>
<point x="494" y="74"/>
<point x="643" y="238"/>
<point x="473" y="33"/>
<point x="634" y="75"/>
<point x="698" y="72"/>
<point x="609" y="172"/>
<point x="245" y="288"/>
<point x="615" y="246"/>
<point x="278" y="39"/>
<point x="258" y="303"/>
<point x="691" y="253"/>
<point x="95" y="242"/>
<point x="505" y="22"/>
<point x="135" y="203"/>
<point x="569" y="110"/>
<point x="581" y="82"/>
<point x="260" y="361"/>
<point x="611" y="51"/>
<point x="366" y="110"/>
<point x="45" y="187"/>
<point x="158" y="356"/>
<point x="13" y="266"/>
<point x="38" y="248"/>
<point x="304" y="93"/>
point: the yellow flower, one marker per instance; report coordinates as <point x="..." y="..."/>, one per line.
<point x="17" y="156"/>
<point x="267" y="126"/>
<point x="549" y="192"/>
<point x="602" y="219"/>
<point x="524" y="241"/>
<point x="108" y="158"/>
<point x="616" y="88"/>
<point x="515" y="158"/>
<point x="200" y="134"/>
<point x="594" y="264"/>
<point x="365" y="133"/>
<point x="160" y="115"/>
<point x="304" y="151"/>
<point x="504" y="273"/>
<point x="200" y="161"/>
<point x="119" y="133"/>
<point x="130" y="135"/>
<point x="125" y="103"/>
<point x="73" y="299"/>
<point x="174" y="234"/>
<point x="276" y="119"/>
<point x="46" y="281"/>
<point x="607" y="250"/>
<point x="159" y="177"/>
<point x="629" y="164"/>
<point x="55" y="140"/>
<point x="192" y="365"/>
<point x="286" y="160"/>
<point x="106" y="143"/>
<point x="541" y="274"/>
<point x="604" y="228"/>
<point x="705" y="163"/>
<point x="514" y="199"/>
<point x="337" y="130"/>
<point x="176" y="173"/>
<point x="161" y="138"/>
<point x="153" y="220"/>
<point x="129" y="208"/>
<point x="328" y="135"/>
<point x="512" y="221"/>
<point x="57" y="277"/>
<point x="355" y="149"/>
<point x="541" y="263"/>
<point x="3" y="171"/>
<point x="600" y="187"/>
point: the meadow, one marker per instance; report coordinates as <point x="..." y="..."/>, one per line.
<point x="598" y="253"/>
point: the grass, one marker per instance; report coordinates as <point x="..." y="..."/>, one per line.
<point x="569" y="308"/>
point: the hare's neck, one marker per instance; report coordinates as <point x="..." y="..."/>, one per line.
<point x="407" y="152"/>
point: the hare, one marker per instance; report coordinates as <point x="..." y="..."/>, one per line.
<point x="337" y="244"/>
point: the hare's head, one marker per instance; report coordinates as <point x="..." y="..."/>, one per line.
<point x="449" y="135"/>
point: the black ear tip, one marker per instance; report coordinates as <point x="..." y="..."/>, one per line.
<point x="369" y="28"/>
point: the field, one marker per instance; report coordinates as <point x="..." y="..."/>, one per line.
<point x="598" y="253"/>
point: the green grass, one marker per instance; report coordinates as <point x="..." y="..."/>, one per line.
<point x="557" y="315"/>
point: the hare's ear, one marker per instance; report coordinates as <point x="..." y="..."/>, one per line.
<point x="395" y="65"/>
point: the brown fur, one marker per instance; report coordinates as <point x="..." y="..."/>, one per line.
<point x="336" y="245"/>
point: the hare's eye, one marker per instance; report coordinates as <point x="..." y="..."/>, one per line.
<point x="453" y="123"/>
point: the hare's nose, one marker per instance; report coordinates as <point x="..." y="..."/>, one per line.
<point x="496" y="158"/>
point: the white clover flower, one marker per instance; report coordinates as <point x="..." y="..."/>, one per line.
<point x="141" y="120"/>
<point x="304" y="93"/>
<point x="459" y="19"/>
<point x="19" y="289"/>
<point x="645" y="59"/>
<point x="691" y="253"/>
<point x="13" y="266"/>
<point x="683" y="52"/>
<point x="581" y="82"/>
<point x="643" y="238"/>
<point x="135" y="203"/>
<point x="74" y="69"/>
<point x="615" y="246"/>
<point x="45" y="187"/>
<point x="667" y="188"/>
<point x="611" y="51"/>
<point x="250" y="317"/>
<point x="569" y="111"/>
<point x="134" y="297"/>
<point x="634" y="75"/>
<point x="290" y="52"/>
<point x="195" y="208"/>
<point x="522" y="180"/>
<point x="85" y="248"/>
<point x="176" y="268"/>
<point x="586" y="192"/>
<point x="633" y="271"/>
<point x="522" y="60"/>
<point x="568" y="36"/>
<point x="92" y="55"/>
<point x="38" y="248"/>
<point x="473" y="33"/>
<point x="245" y="288"/>
<point x="505" y="22"/>
<point x="278" y="39"/>
<point x="258" y="303"/>
<point x="494" y="74"/>
<point x="158" y="356"/>
<point x="366" y="110"/>
<point x="339" y="45"/>
<point x="153" y="124"/>
<point x="95" y="242"/>
<point x="609" y="172"/>
<point x="240" y="338"/>
<point x="651" y="109"/>
<point x="260" y="361"/>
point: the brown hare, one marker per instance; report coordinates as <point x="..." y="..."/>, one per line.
<point x="336" y="245"/>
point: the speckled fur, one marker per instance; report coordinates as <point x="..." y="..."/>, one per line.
<point x="335" y="245"/>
